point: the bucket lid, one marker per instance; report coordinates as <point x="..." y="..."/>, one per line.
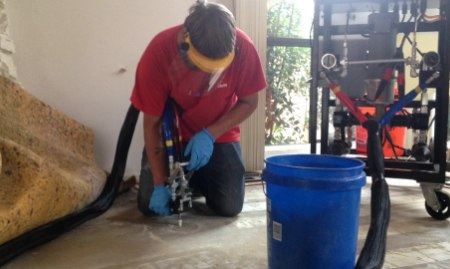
<point x="325" y="172"/>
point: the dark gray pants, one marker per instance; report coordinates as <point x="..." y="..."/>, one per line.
<point x="221" y="181"/>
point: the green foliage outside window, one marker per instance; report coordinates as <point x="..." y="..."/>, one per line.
<point x="288" y="72"/>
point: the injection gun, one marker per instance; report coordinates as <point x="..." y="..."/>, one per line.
<point x="178" y="180"/>
<point x="181" y="193"/>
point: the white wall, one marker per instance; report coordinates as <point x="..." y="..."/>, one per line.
<point x="68" y="54"/>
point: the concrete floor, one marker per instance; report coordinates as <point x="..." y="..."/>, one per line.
<point x="122" y="238"/>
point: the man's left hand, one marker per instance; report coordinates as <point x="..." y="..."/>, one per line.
<point x="200" y="148"/>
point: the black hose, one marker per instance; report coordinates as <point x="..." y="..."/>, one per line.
<point x="373" y="252"/>
<point x="374" y="249"/>
<point x="50" y="231"/>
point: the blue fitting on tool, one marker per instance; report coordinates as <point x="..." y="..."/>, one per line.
<point x="167" y="126"/>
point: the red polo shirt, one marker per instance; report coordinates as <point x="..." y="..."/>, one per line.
<point x="162" y="73"/>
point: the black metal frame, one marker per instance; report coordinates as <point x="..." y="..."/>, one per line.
<point x="422" y="172"/>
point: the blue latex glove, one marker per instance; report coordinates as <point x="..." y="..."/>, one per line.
<point x="200" y="148"/>
<point x="159" y="203"/>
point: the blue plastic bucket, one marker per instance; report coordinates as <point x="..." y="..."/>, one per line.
<point x="313" y="210"/>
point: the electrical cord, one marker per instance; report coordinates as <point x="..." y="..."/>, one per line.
<point x="402" y="43"/>
<point x="411" y="42"/>
<point x="403" y="18"/>
<point x="391" y="142"/>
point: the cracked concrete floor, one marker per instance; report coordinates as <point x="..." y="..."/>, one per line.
<point x="122" y="238"/>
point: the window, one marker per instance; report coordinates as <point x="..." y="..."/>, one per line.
<point x="288" y="71"/>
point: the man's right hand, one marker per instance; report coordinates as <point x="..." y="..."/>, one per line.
<point x="159" y="202"/>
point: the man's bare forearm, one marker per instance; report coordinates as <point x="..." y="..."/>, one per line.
<point x="155" y="149"/>
<point x="241" y="111"/>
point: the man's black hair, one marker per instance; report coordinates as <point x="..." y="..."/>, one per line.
<point x="211" y="27"/>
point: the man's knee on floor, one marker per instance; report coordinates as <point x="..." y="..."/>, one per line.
<point x="143" y="208"/>
<point x="226" y="207"/>
<point x="143" y="197"/>
<point x="145" y="191"/>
